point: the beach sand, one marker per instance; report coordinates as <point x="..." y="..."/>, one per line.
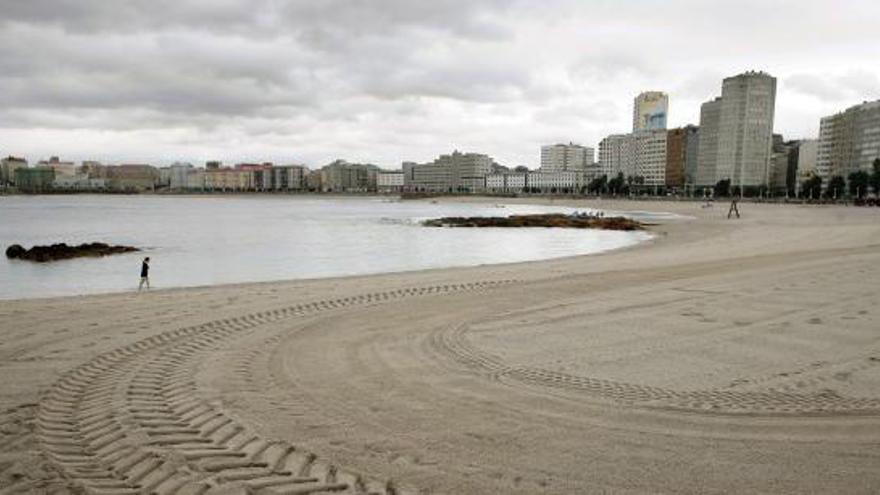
<point x="722" y="356"/>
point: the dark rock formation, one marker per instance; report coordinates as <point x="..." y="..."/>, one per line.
<point x="15" y="251"/>
<point x="543" y="220"/>
<point x="62" y="251"/>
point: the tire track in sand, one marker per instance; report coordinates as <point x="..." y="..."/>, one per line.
<point x="131" y="420"/>
<point x="453" y="343"/>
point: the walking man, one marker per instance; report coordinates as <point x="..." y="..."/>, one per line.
<point x="733" y="209"/>
<point x="145" y="274"/>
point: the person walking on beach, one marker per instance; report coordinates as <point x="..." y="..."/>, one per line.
<point x="733" y="209"/>
<point x="145" y="274"/>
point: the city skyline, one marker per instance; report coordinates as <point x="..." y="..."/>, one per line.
<point x="399" y="82"/>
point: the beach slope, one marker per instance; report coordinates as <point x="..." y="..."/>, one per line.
<point x="722" y="356"/>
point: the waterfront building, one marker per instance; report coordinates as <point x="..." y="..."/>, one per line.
<point x="455" y="172"/>
<point x="34" y="180"/>
<point x="164" y="180"/>
<point x="289" y="177"/>
<point x="560" y="181"/>
<point x="681" y="156"/>
<point x="341" y="176"/>
<point x="650" y="157"/>
<point x="196" y="179"/>
<point x="745" y="134"/>
<point x="61" y="168"/>
<point x="736" y="132"/>
<point x="536" y="181"/>
<point x="259" y="175"/>
<point x="229" y="180"/>
<point x="778" y="174"/>
<point x="806" y="157"/>
<point x="132" y="177"/>
<point x="641" y="154"/>
<point x="8" y="166"/>
<point x="178" y="176"/>
<point x="79" y="182"/>
<point x="559" y="157"/>
<point x="849" y="141"/>
<point x="614" y="154"/>
<point x="313" y="180"/>
<point x="388" y="181"/>
<point x="676" y="156"/>
<point x="650" y="111"/>
<point x="707" y="148"/>
<point x="408" y="175"/>
<point x="783" y="166"/>
<point x="506" y="182"/>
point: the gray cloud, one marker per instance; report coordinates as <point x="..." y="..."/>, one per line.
<point x="848" y="88"/>
<point x="389" y="80"/>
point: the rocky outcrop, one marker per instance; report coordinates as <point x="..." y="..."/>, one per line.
<point x="542" y="220"/>
<point x="62" y="251"/>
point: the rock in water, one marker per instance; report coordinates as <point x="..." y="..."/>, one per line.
<point x="540" y="220"/>
<point x="15" y="251"/>
<point x="62" y="251"/>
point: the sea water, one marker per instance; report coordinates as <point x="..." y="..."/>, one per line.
<point x="213" y="239"/>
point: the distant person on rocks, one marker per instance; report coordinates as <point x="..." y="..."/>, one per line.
<point x="145" y="274"/>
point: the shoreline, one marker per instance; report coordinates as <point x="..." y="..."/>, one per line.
<point x="339" y="278"/>
<point x="648" y="229"/>
<point x="686" y="212"/>
<point x="636" y="370"/>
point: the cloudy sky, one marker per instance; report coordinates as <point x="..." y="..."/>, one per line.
<point x="391" y="80"/>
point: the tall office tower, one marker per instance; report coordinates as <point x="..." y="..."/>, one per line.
<point x="745" y="136"/>
<point x="707" y="148"/>
<point x="736" y="132"/>
<point x="849" y="141"/>
<point x="562" y="157"/>
<point x="649" y="111"/>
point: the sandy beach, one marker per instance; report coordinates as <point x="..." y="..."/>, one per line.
<point x="723" y="356"/>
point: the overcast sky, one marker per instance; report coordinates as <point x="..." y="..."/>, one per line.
<point x="390" y="80"/>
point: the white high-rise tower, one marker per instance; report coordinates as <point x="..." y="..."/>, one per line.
<point x="649" y="111"/>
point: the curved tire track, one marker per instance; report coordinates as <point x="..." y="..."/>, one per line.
<point x="131" y="420"/>
<point x="453" y="343"/>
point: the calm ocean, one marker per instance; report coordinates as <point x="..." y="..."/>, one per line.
<point x="209" y="240"/>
